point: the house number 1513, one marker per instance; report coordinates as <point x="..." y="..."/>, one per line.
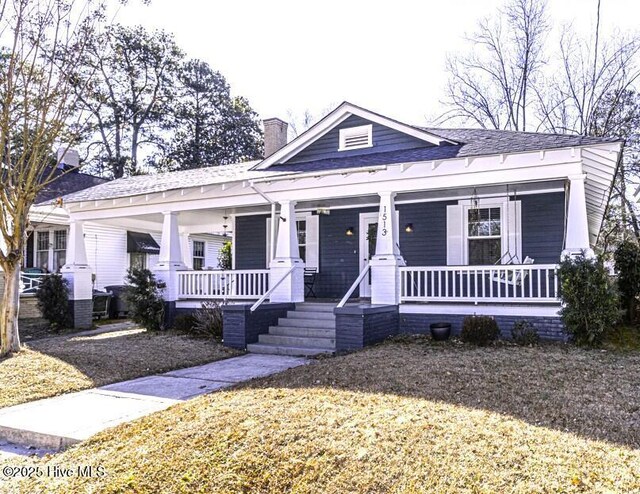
<point x="384" y="222"/>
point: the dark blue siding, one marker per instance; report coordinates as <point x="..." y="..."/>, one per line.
<point x="543" y="226"/>
<point x="339" y="253"/>
<point x="542" y="236"/>
<point x="427" y="244"/>
<point x="384" y="139"/>
<point x="251" y="242"/>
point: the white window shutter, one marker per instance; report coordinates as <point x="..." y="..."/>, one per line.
<point x="313" y="234"/>
<point x="513" y="211"/>
<point x="455" y="235"/>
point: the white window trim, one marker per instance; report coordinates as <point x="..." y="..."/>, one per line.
<point x="193" y="253"/>
<point x="494" y="202"/>
<point x="504" y="241"/>
<point x="50" y="257"/>
<point x="356" y="131"/>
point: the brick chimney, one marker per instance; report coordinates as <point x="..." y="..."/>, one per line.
<point x="275" y="135"/>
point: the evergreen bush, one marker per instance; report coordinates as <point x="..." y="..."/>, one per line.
<point x="53" y="301"/>
<point x="589" y="300"/>
<point x="144" y="297"/>
<point x="479" y="330"/>
<point x="627" y="259"/>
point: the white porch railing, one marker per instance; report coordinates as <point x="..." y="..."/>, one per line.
<point x="236" y="284"/>
<point x="504" y="283"/>
<point x="29" y="282"/>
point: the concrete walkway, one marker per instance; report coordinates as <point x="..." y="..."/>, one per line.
<point x="55" y="423"/>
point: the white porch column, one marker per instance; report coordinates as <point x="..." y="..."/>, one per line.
<point x="577" y="237"/>
<point x="77" y="272"/>
<point x="287" y="257"/>
<point x="385" y="275"/>
<point x="170" y="259"/>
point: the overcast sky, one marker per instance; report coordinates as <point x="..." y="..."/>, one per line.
<point x="292" y="55"/>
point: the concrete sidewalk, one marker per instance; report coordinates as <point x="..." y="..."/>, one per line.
<point x="55" y="423"/>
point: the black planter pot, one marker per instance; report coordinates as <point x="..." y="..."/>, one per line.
<point x="440" y="331"/>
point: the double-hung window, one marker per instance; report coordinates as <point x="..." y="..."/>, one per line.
<point x="484" y="236"/>
<point x="59" y="249"/>
<point x="42" y="250"/>
<point x="301" y="226"/>
<point x="198" y="255"/>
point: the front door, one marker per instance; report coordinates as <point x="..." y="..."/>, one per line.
<point x="368" y="233"/>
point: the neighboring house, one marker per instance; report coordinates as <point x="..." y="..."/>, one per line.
<point x="111" y="248"/>
<point x="419" y="224"/>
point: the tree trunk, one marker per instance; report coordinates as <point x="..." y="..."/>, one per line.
<point x="9" y="337"/>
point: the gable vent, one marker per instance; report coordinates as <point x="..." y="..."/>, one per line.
<point x="356" y="137"/>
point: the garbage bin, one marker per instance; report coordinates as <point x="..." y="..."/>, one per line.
<point x="118" y="306"/>
<point x="101" y="304"/>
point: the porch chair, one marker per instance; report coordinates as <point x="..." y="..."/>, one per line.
<point x="309" y="281"/>
<point x="510" y="277"/>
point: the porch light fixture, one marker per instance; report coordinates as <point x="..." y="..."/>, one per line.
<point x="408" y="228"/>
<point x="225" y="226"/>
<point x="349" y="231"/>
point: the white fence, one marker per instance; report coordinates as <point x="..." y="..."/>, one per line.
<point x="504" y="283"/>
<point x="237" y="284"/>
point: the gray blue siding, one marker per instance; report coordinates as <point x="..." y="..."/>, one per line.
<point x="542" y="237"/>
<point x="543" y="226"/>
<point x="251" y="242"/>
<point x="339" y="253"/>
<point x="427" y="244"/>
<point x="384" y="139"/>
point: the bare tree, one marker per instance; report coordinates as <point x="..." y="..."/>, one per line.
<point x="588" y="89"/>
<point x="492" y="85"/>
<point x="126" y="83"/>
<point x="594" y="94"/>
<point x="36" y="105"/>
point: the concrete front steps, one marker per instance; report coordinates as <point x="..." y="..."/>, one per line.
<point x="308" y="330"/>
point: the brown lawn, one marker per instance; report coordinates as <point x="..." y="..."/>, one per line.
<point x="407" y="416"/>
<point x="53" y="366"/>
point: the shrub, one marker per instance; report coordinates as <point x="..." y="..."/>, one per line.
<point x="589" y="300"/>
<point x="53" y="301"/>
<point x="524" y="333"/>
<point x="479" y="330"/>
<point x="224" y="256"/>
<point x="184" y="323"/>
<point x="627" y="259"/>
<point x="208" y="320"/>
<point x="144" y="297"/>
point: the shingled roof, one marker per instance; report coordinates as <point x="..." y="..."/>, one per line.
<point x="67" y="184"/>
<point x="162" y="182"/>
<point x="478" y="142"/>
<point x="469" y="142"/>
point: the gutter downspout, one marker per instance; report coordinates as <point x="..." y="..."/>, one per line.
<point x="272" y="233"/>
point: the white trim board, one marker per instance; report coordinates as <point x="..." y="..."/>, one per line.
<point x="482" y="309"/>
